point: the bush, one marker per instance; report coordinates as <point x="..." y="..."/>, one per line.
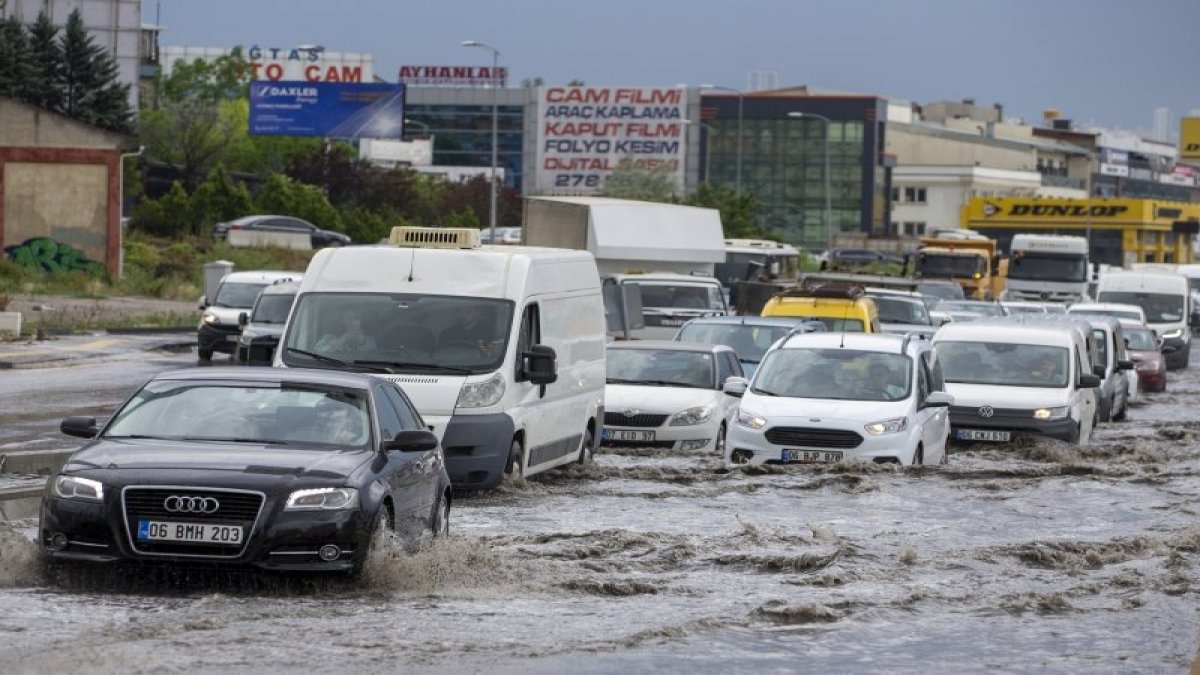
<point x="285" y="197"/>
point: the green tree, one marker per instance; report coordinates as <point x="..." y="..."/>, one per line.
<point x="47" y="92"/>
<point x="168" y="216"/>
<point x="219" y="199"/>
<point x="17" y="72"/>
<point x="91" y="91"/>
<point x="628" y="181"/>
<point x="739" y="212"/>
<point x="285" y="197"/>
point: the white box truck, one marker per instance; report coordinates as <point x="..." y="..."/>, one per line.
<point x="1047" y="268"/>
<point x="501" y="348"/>
<point x="668" y="252"/>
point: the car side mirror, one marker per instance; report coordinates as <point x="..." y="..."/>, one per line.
<point x="540" y="365"/>
<point x="412" y="440"/>
<point x="1125" y="365"/>
<point x="938" y="399"/>
<point x="80" y="426"/>
<point x="243" y="319"/>
<point x="203" y="304"/>
<point x="1088" y="381"/>
<point x="735" y="386"/>
<point x="1099" y="371"/>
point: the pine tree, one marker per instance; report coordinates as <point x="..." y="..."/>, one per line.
<point x="47" y="90"/>
<point x="91" y="92"/>
<point x="17" y="73"/>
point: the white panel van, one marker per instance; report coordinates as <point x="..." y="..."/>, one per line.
<point x="501" y="348"/>
<point x="1166" y="299"/>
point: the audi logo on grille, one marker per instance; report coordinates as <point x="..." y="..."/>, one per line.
<point x="986" y="411"/>
<point x="185" y="504"/>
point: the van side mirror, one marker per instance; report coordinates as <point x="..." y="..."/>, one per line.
<point x="938" y="399"/>
<point x="735" y="386"/>
<point x="1099" y="371"/>
<point x="1088" y="381"/>
<point x="540" y="365"/>
<point x="243" y="319"/>
<point x="412" y="440"/>
<point x="1125" y="365"/>
<point x="80" y="426"/>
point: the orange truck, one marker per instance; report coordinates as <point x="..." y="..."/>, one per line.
<point x="969" y="261"/>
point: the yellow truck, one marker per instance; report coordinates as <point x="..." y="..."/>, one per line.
<point x="969" y="261"/>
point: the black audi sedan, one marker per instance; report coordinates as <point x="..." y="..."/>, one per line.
<point x="284" y="469"/>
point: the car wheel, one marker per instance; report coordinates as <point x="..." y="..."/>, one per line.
<point x="441" y="517"/>
<point x="586" y="449"/>
<point x="204" y="354"/>
<point x="514" y="467"/>
<point x="720" y="444"/>
<point x="381" y="528"/>
<point x="945" y="454"/>
<point x="1120" y="415"/>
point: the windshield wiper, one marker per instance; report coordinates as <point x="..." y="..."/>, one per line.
<point x="667" y="383"/>
<point x="235" y="439"/>
<point x="764" y="392"/>
<point x="141" y="436"/>
<point x="336" y="362"/>
<point x="414" y="364"/>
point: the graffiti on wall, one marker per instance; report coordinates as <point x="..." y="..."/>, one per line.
<point x="45" y="254"/>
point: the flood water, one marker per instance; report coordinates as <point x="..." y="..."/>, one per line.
<point x="1033" y="557"/>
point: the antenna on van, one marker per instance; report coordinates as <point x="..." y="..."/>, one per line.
<point x="412" y="265"/>
<point x="845" y="314"/>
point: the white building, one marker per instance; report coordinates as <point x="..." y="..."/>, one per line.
<point x="114" y="24"/>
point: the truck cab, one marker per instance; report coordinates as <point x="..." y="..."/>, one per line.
<point x="967" y="261"/>
<point x="668" y="301"/>
<point x="1047" y="268"/>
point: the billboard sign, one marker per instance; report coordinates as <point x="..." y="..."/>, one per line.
<point x="585" y="133"/>
<point x="327" y="109"/>
<point x="454" y="76"/>
<point x="1189" y="138"/>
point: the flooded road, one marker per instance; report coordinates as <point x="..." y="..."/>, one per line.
<point x="1030" y="558"/>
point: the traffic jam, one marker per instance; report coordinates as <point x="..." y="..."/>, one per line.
<point x="573" y="455"/>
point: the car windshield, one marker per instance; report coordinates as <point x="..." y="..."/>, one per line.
<point x="947" y="291"/>
<point x="1159" y="307"/>
<point x="400" y="332"/>
<point x="663" y="295"/>
<point x="981" y="308"/>
<point x="901" y="310"/>
<point x="840" y="374"/>
<point x="661" y="367"/>
<point x="1119" y="313"/>
<point x="1025" y="309"/>
<point x="300" y="415"/>
<point x="272" y="309"/>
<point x="238" y="295"/>
<point x="1004" y="363"/>
<point x="1047" y="267"/>
<point x="1141" y="339"/>
<point x="748" y="341"/>
<point x="950" y="265"/>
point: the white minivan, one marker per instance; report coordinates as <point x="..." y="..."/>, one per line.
<point x="1013" y="379"/>
<point x="501" y="348"/>
<point x="1166" y="299"/>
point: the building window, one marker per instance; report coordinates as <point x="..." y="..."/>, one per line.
<point x="895" y="194"/>
<point x="914" y="195"/>
<point x="915" y="229"/>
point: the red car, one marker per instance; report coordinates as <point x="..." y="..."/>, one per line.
<point x="1145" y="350"/>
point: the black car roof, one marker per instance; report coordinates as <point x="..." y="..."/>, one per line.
<point x="336" y="378"/>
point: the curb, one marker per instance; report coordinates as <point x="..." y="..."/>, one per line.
<point x="150" y="330"/>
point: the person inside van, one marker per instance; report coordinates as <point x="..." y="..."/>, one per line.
<point x="351" y="340"/>
<point x="469" y="326"/>
<point x="1043" y="368"/>
<point x="881" y="384"/>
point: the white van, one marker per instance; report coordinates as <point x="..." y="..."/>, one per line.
<point x="1010" y="379"/>
<point x="1166" y="299"/>
<point x="501" y="348"/>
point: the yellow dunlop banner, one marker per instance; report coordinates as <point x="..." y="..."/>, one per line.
<point x="1189" y="138"/>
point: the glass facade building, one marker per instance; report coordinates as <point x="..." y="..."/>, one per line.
<point x="460" y="121"/>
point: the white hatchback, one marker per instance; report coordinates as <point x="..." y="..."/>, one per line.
<point x="827" y="397"/>
<point x="669" y="394"/>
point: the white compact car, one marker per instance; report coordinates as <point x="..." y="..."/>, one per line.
<point x="669" y="394"/>
<point x="827" y="397"/>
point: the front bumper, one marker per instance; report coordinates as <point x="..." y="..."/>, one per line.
<point x="476" y="449"/>
<point x="1153" y="380"/>
<point x="1017" y="423"/>
<point x="682" y="438"/>
<point x="751" y="446"/>
<point x="1179" y="357"/>
<point x="218" y="337"/>
<point x="97" y="533"/>
<point x="259" y="350"/>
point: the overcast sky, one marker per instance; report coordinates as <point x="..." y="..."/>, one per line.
<point x="1110" y="62"/>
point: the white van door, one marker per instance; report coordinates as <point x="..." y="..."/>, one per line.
<point x="1084" y="400"/>
<point x="528" y="412"/>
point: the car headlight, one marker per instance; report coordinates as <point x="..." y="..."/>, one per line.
<point x="1173" y="334"/>
<point x="892" y="426"/>
<point x="750" y="420"/>
<point x="210" y="318"/>
<point x="1051" y="413"/>
<point x="1150" y="366"/>
<point x="322" y="499"/>
<point x="481" y="394"/>
<point x="74" y="487"/>
<point x="691" y="416"/>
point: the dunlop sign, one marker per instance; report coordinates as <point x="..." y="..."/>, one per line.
<point x="1189" y="138"/>
<point x="1045" y="209"/>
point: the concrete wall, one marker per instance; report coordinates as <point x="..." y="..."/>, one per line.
<point x="67" y="203"/>
<point x="911" y="146"/>
<point x="295" y="240"/>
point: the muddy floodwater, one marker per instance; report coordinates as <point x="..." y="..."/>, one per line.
<point x="1033" y="557"/>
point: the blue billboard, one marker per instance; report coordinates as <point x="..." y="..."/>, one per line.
<point x="327" y="109"/>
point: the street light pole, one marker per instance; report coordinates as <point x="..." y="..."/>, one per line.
<point x="495" y="130"/>
<point x="741" y="99"/>
<point x="828" y="213"/>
